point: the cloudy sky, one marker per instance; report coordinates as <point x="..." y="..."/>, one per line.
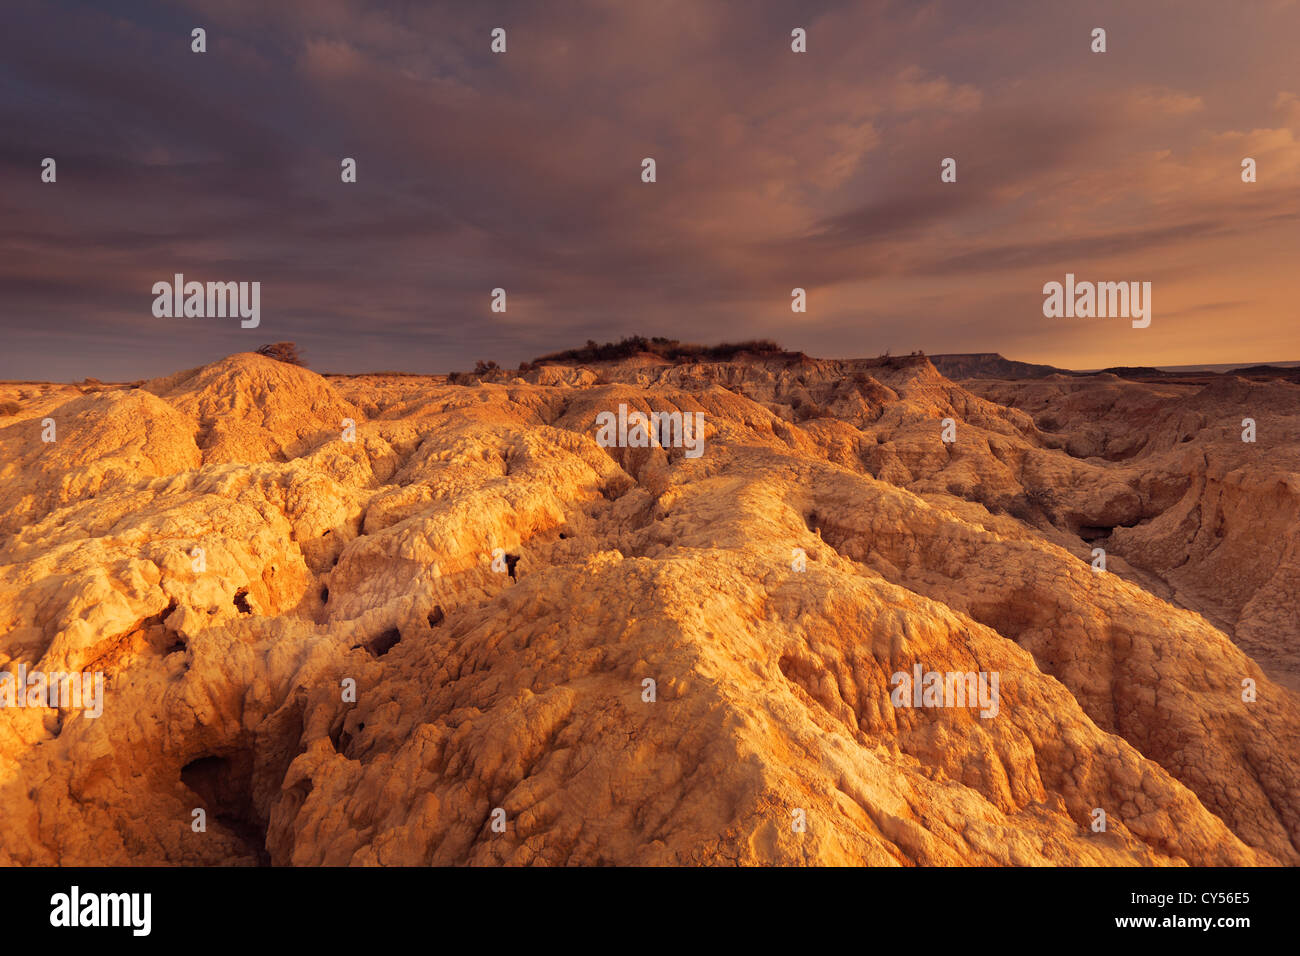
<point x="522" y="170"/>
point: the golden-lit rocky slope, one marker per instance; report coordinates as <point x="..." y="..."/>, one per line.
<point x="327" y="561"/>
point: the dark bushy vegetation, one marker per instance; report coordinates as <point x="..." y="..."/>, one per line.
<point x="901" y="361"/>
<point x="285" y="352"/>
<point x="668" y="349"/>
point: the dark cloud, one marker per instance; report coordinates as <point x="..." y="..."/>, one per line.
<point x="522" y="171"/>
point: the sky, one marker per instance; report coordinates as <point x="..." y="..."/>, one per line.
<point x="522" y="170"/>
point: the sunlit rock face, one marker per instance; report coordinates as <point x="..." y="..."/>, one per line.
<point x="413" y="620"/>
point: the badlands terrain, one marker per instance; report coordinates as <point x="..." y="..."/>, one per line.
<point x="426" y="637"/>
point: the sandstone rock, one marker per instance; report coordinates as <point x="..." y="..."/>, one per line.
<point x="498" y="589"/>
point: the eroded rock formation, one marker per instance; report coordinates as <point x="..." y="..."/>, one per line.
<point x="214" y="545"/>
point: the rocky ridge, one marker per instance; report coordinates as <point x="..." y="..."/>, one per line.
<point x="327" y="562"/>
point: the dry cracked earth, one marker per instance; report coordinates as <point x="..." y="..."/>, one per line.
<point x="328" y="563"/>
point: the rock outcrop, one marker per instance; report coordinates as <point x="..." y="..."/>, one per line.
<point x="406" y="620"/>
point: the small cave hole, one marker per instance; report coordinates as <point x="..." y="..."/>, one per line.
<point x="340" y="738"/>
<point x="381" y="644"/>
<point x="225" y="785"/>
